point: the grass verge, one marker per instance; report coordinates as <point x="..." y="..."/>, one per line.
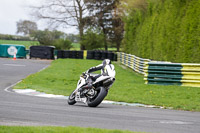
<point x="19" y="129"/>
<point x="76" y="46"/>
<point x="62" y="76"/>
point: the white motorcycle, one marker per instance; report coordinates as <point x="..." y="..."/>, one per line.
<point x="93" y="95"/>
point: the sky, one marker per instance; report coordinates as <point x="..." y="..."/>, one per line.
<point x="11" y="11"/>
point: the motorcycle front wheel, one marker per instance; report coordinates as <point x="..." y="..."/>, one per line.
<point x="71" y="99"/>
<point x="98" y="98"/>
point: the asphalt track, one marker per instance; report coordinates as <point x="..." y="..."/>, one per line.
<point x="16" y="109"/>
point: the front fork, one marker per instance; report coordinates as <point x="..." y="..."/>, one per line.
<point x="79" y="99"/>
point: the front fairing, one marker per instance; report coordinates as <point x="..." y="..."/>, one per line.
<point x="81" y="82"/>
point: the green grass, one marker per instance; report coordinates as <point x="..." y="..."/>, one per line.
<point x="62" y="76"/>
<point x="27" y="44"/>
<point x="112" y="49"/>
<point x="109" y="49"/>
<point x="76" y="46"/>
<point x="20" y="129"/>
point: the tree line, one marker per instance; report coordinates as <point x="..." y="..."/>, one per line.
<point x="94" y="19"/>
<point x="15" y="37"/>
<point x="47" y="37"/>
<point x="164" y="30"/>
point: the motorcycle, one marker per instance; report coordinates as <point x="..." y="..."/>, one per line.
<point x="90" y="91"/>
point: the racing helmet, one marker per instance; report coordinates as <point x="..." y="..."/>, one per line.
<point x="106" y="62"/>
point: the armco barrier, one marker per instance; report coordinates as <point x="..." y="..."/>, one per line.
<point x="133" y="62"/>
<point x="166" y="73"/>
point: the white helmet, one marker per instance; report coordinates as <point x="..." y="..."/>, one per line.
<point x="106" y="62"/>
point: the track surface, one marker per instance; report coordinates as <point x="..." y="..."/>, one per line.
<point x="18" y="109"/>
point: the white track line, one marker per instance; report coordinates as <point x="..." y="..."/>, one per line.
<point x="7" y="88"/>
<point x="31" y="92"/>
<point x="15" y="65"/>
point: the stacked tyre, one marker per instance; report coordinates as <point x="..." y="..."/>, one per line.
<point x="110" y="56"/>
<point x="66" y="54"/>
<point x="60" y="54"/>
<point x="104" y="55"/>
<point x="90" y="54"/>
<point x="97" y="55"/>
<point x="115" y="57"/>
<point x="73" y="54"/>
<point x="42" y="52"/>
<point x="79" y="54"/>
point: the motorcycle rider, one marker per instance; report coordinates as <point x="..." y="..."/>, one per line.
<point x="93" y="88"/>
<point x="103" y="67"/>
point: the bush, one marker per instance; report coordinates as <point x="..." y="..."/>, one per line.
<point x="46" y="37"/>
<point x="93" y="39"/>
<point x="63" y="44"/>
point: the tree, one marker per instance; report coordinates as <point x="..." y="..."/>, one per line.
<point x="116" y="33"/>
<point x="64" y="13"/>
<point x="106" y="15"/>
<point x="101" y="11"/>
<point x="72" y="37"/>
<point x="26" y="27"/>
<point x="132" y="5"/>
<point x="47" y="37"/>
<point x="93" y="39"/>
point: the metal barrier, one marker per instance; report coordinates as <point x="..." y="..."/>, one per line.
<point x="166" y="73"/>
<point x="133" y="62"/>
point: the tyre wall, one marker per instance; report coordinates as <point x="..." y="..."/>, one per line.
<point x="42" y="52"/>
<point x="91" y="54"/>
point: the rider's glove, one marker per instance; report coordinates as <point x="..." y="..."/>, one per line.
<point x="86" y="72"/>
<point x="83" y="73"/>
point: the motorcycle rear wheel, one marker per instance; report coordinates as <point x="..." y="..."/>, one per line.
<point x="101" y="94"/>
<point x="71" y="99"/>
